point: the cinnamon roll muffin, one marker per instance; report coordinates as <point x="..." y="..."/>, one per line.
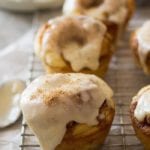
<point x="74" y="44"/>
<point x="140" y="44"/>
<point x="114" y="13"/>
<point x="69" y="111"/>
<point x="140" y="115"/>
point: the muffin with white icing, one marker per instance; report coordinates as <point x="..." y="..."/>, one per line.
<point x="140" y="115"/>
<point x="140" y="44"/>
<point x="114" y="13"/>
<point x="69" y="111"/>
<point x="74" y="44"/>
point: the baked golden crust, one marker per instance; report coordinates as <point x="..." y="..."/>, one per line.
<point x="80" y="136"/>
<point x="142" y="129"/>
<point x="134" y="44"/>
<point x="106" y="52"/>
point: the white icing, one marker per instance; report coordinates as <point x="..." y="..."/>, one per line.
<point x="143" y="37"/>
<point x="52" y="101"/>
<point x="80" y="58"/>
<point x="143" y="106"/>
<point x="86" y="56"/>
<point x="115" y="11"/>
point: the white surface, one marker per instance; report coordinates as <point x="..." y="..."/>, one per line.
<point x="14" y="58"/>
<point x="29" y="5"/>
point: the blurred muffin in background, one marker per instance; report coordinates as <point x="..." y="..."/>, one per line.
<point x="115" y="14"/>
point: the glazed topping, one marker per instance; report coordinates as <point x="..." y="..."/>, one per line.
<point x="77" y="40"/>
<point x="142" y="111"/>
<point x="143" y="36"/>
<point x="53" y="101"/>
<point x="115" y="11"/>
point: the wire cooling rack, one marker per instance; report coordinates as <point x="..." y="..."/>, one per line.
<point x="125" y="79"/>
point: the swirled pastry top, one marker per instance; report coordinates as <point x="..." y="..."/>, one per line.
<point x="77" y="40"/>
<point x="143" y="37"/>
<point x="142" y="111"/>
<point x="50" y="102"/>
<point x="113" y="10"/>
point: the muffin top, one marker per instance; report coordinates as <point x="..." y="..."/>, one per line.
<point x="73" y="40"/>
<point x="142" y="110"/>
<point x="50" y="88"/>
<point x="52" y="101"/>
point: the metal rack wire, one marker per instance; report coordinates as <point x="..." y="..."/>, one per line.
<point x="125" y="79"/>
